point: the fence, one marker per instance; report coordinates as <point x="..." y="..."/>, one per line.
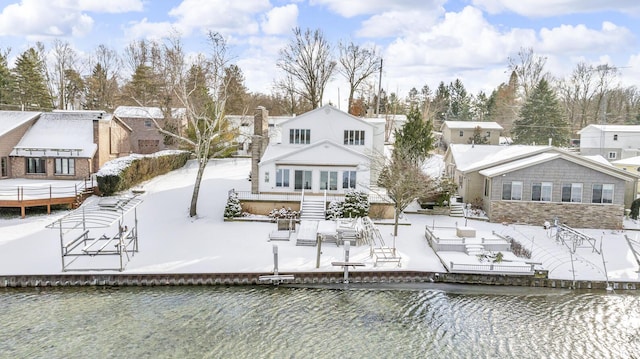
<point x="297" y="196"/>
<point x="21" y="193"/>
<point x="491" y="268"/>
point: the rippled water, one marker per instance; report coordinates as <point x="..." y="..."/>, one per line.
<point x="356" y="322"/>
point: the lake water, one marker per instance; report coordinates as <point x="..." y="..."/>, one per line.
<point x="407" y="321"/>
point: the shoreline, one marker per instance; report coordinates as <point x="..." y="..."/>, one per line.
<point x="300" y="278"/>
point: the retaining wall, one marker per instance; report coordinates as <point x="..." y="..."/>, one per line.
<point x="302" y="278"/>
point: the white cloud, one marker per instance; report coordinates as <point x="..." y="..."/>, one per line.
<point x="280" y="20"/>
<point x="111" y="6"/>
<point x="534" y="8"/>
<point x="149" y="30"/>
<point x="353" y="8"/>
<point x="37" y="19"/>
<point x="567" y="39"/>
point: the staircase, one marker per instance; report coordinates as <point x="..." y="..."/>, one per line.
<point x="312" y="208"/>
<point x="474" y="249"/>
<point x="456" y="209"/>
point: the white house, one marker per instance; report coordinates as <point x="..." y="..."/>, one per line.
<point x="613" y="142"/>
<point x="463" y="132"/>
<point x="322" y="150"/>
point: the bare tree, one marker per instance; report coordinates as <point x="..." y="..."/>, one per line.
<point x="308" y="60"/>
<point x="102" y="83"/>
<point x="64" y="57"/>
<point x="356" y="65"/>
<point x="201" y="90"/>
<point x="529" y="69"/>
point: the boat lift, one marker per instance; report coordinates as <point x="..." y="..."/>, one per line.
<point x="93" y="235"/>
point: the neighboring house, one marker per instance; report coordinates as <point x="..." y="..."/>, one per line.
<point x="69" y="145"/>
<point x="463" y="132"/>
<point x="631" y="164"/>
<point x="145" y="137"/>
<point x="534" y="184"/>
<point x="613" y="142"/>
<point x="13" y="125"/>
<point x="243" y="124"/>
<point x="321" y="150"/>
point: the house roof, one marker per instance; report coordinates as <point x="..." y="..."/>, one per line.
<point x="328" y="110"/>
<point x="613" y="128"/>
<point x="279" y="152"/>
<point x="470" y="125"/>
<point x="631" y="161"/>
<point x="145" y="112"/>
<point x="58" y="134"/>
<point x="10" y="120"/>
<point x="476" y="157"/>
<point x="548" y="156"/>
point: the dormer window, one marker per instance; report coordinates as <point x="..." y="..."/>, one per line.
<point x="299" y="136"/>
<point x="352" y="137"/>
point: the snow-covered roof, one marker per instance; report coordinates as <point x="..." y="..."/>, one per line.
<point x="471" y="157"/>
<point x="145" y="112"/>
<point x="631" y="161"/>
<point x="283" y="151"/>
<point x="58" y="134"/>
<point x="470" y="125"/>
<point x="599" y="158"/>
<point x="518" y="164"/>
<point x="613" y="128"/>
<point x="328" y="110"/>
<point x="10" y="120"/>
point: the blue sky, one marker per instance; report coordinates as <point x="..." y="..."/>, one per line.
<point x="421" y="41"/>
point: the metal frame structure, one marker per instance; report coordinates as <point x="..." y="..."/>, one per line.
<point x="109" y="215"/>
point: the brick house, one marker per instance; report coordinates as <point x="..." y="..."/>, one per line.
<point x="145" y="137"/>
<point x="534" y="184"/>
<point x="13" y="125"/>
<point x="68" y="145"/>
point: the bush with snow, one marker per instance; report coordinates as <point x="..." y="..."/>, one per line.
<point x="233" y="207"/>
<point x="334" y="211"/>
<point x="283" y="213"/>
<point x="356" y="204"/>
<point x="635" y="209"/>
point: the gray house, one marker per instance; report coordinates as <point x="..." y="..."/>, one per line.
<point x="534" y="184"/>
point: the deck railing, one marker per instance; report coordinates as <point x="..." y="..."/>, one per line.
<point x="297" y="196"/>
<point x="44" y="191"/>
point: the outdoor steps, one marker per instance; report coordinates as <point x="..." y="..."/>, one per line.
<point x="456" y="210"/>
<point x="312" y="209"/>
<point x="474" y="249"/>
<point x="307" y="233"/>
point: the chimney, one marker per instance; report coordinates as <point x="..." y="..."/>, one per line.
<point x="259" y="142"/>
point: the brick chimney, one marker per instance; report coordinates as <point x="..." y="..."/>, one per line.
<point x="259" y="142"/>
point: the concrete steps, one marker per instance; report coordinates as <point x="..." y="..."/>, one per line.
<point x="312" y="209"/>
<point x="456" y="210"/>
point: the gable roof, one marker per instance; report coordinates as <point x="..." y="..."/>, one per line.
<point x="326" y="110"/>
<point x="613" y="128"/>
<point x="58" y="134"/>
<point x="469" y="158"/>
<point x="631" y="161"/>
<point x="471" y="125"/>
<point x="145" y="112"/>
<point x="282" y="151"/>
<point x="560" y="154"/>
<point x="10" y="120"/>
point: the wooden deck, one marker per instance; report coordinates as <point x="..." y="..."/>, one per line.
<point x="35" y="194"/>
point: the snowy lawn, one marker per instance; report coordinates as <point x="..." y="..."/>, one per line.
<point x="171" y="242"/>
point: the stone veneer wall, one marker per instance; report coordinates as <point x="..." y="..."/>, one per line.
<point x="572" y="214"/>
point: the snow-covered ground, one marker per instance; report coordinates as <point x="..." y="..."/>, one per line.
<point x="171" y="242"/>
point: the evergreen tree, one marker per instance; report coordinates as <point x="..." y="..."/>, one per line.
<point x="541" y="119"/>
<point x="5" y="79"/>
<point x="460" y="102"/>
<point x="415" y="138"/>
<point x="236" y="90"/>
<point x="356" y="204"/>
<point x="100" y="90"/>
<point x="233" y="207"/>
<point x="30" y="85"/>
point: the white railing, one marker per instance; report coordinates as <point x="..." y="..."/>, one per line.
<point x="492" y="268"/>
<point x="44" y="191"/>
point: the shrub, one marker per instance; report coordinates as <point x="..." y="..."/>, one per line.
<point x="125" y="172"/>
<point x="334" y="211"/>
<point x="283" y="213"/>
<point x="635" y="208"/>
<point x="356" y="204"/>
<point x="233" y="207"/>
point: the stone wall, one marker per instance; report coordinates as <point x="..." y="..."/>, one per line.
<point x="578" y="215"/>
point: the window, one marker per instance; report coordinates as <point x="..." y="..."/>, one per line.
<point x="302" y="179"/>
<point x="488" y="134"/>
<point x="486" y="187"/>
<point x="612" y="155"/>
<point x="615" y="137"/>
<point x="328" y="180"/>
<point x="298" y="136"/>
<point x="349" y="179"/>
<point x="572" y="192"/>
<point x="4" y="166"/>
<point x="266" y="177"/>
<point x="65" y="166"/>
<point x="35" y="165"/>
<point x="541" y="191"/>
<point x="602" y="193"/>
<point x="148" y="123"/>
<point x="282" y="177"/>
<point x="512" y="191"/>
<point x="461" y="133"/>
<point x="352" y="137"/>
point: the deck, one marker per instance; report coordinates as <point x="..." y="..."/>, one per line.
<point x="25" y="193"/>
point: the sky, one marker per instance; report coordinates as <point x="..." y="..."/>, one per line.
<point x="422" y="42"/>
